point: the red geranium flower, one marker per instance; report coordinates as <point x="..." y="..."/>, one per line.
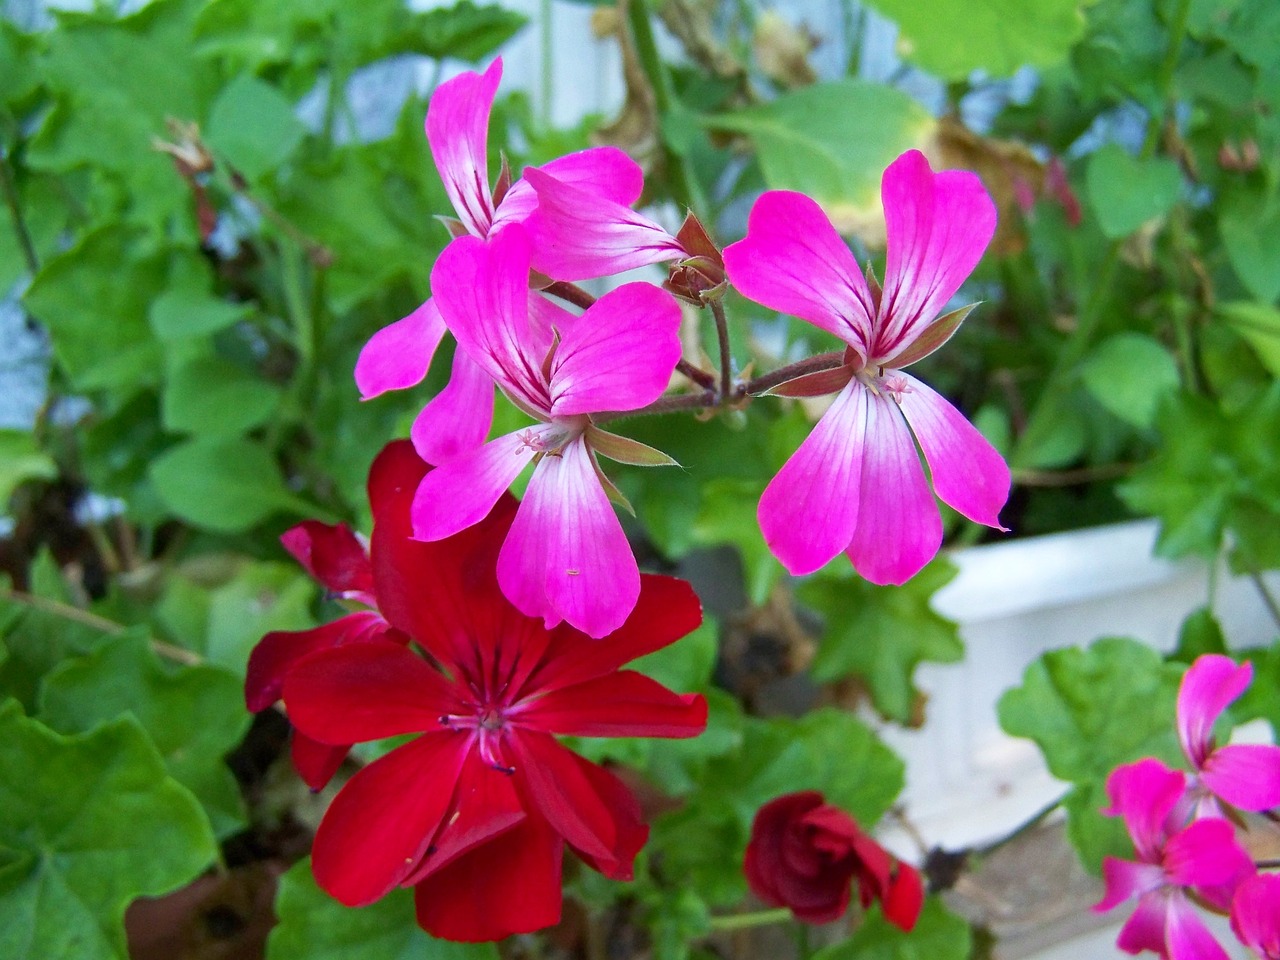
<point x="475" y="812"/>
<point x="339" y="561"/>
<point x="804" y="854"/>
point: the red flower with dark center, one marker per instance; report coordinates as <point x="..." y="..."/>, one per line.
<point x="806" y="855"/>
<point x="475" y="812"/>
<point x="339" y="561"/>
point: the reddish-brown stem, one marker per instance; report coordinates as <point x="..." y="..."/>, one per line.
<point x="823" y="361"/>
<point x="722" y="335"/>
<point x="570" y="293"/>
<point x="680" y="401"/>
<point x="699" y="376"/>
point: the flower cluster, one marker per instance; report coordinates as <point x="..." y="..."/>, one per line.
<point x="475" y="812"/>
<point x="856" y="485"/>
<point x="1183" y="832"/>
<point x="807" y="855"/>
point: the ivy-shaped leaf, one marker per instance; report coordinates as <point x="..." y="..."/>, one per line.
<point x="938" y="935"/>
<point x="314" y="926"/>
<point x="881" y="634"/>
<point x="90" y="823"/>
<point x="195" y="715"/>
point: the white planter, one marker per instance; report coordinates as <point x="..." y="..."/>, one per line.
<point x="967" y="781"/>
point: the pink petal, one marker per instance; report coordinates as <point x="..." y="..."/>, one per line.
<point x="899" y="529"/>
<point x="578" y="235"/>
<point x="482" y="291"/>
<point x="458" y="418"/>
<point x="1145" y="793"/>
<point x="937" y="227"/>
<point x="792" y="260"/>
<point x="507" y="886"/>
<point x="1186" y="936"/>
<point x="547" y="320"/>
<point x="585" y="804"/>
<point x="619" y="355"/>
<point x="367" y="691"/>
<point x="1209" y="684"/>
<point x="1144" y="930"/>
<point x="809" y="511"/>
<point x="622" y="704"/>
<point x="379" y="825"/>
<point x="315" y="762"/>
<point x="1124" y="880"/>
<point x="1244" y="775"/>
<point x="462" y="491"/>
<point x="603" y="171"/>
<point x="1255" y="915"/>
<point x="566" y="557"/>
<point x="398" y="355"/>
<point x="1205" y="854"/>
<point x="968" y="474"/>
<point x="458" y="132"/>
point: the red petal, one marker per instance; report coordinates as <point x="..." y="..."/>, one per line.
<point x="667" y="610"/>
<point x="331" y="554"/>
<point x="367" y="691"/>
<point x="281" y="649"/>
<point x="623" y="704"/>
<point x="509" y="885"/>
<point x="396" y="472"/>
<point x="785" y="868"/>
<point x="379" y="825"/>
<point x="315" y="762"/>
<point x="905" y="898"/>
<point x="485" y="804"/>
<point x="588" y="806"/>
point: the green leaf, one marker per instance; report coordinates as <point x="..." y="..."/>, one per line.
<point x="1093" y="834"/>
<point x="952" y="38"/>
<point x="185" y="311"/>
<point x="314" y="926"/>
<point x="815" y="141"/>
<point x="20" y="460"/>
<point x="1259" y="324"/>
<point x="881" y="634"/>
<point x="93" y="299"/>
<point x="1250" y="228"/>
<point x="465" y="31"/>
<point x="938" y="935"/>
<point x="260" y="598"/>
<point x="1200" y="634"/>
<point x="728" y="515"/>
<point x="194" y="715"/>
<point x="1126" y="191"/>
<point x="211" y="397"/>
<point x="1130" y="374"/>
<point x="253" y="127"/>
<point x="685" y="665"/>
<point x="1090" y="710"/>
<point x="90" y="823"/>
<point x="224" y="485"/>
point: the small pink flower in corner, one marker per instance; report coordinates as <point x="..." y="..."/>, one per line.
<point x="1173" y="862"/>
<point x="1243" y="775"/>
<point x="1255" y="915"/>
<point x="856" y="484"/>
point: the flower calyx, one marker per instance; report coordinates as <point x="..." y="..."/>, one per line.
<point x="700" y="277"/>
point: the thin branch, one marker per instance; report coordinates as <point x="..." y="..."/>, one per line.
<point x="570" y="293"/>
<point x="1267" y="598"/>
<point x="699" y="376"/>
<point x="1267" y="864"/>
<point x="707" y="399"/>
<point x="726" y="359"/>
<point x="94" y="622"/>
<point x="320" y="256"/>
<point x="823" y="361"/>
<point x="743" y="921"/>
<point x="1070" y="478"/>
<point x="15" y="211"/>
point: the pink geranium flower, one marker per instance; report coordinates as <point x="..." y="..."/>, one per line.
<point x="399" y="355"/>
<point x="339" y="561"/>
<point x="856" y="484"/>
<point x="1243" y="775"/>
<point x="1255" y="915"/>
<point x="476" y="811"/>
<point x="1173" y="860"/>
<point x="566" y="557"/>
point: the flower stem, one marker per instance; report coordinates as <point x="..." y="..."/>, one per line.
<point x="815" y="364"/>
<point x="699" y="376"/>
<point x="744" y="921"/>
<point x="722" y="335"/>
<point x="570" y="293"/>
<point x="1272" y="607"/>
